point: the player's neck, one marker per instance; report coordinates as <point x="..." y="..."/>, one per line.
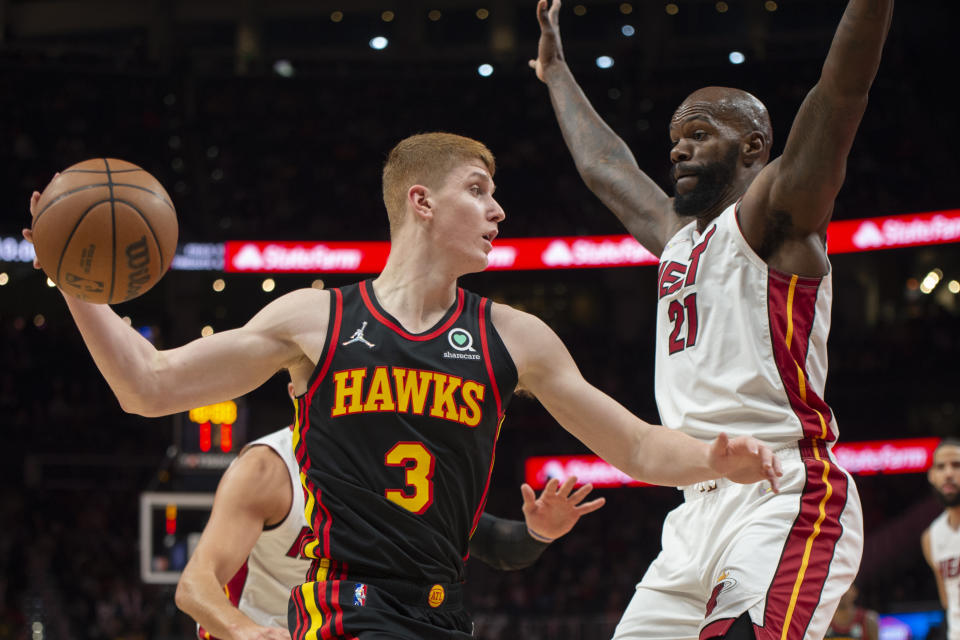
<point x="416" y="296"/>
<point x="705" y="219"/>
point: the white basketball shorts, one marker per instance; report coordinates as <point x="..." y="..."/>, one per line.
<point x="730" y="548"/>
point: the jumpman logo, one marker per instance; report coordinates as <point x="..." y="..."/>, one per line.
<point x="358" y="337"/>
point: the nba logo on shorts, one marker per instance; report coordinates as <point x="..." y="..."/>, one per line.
<point x="360" y="595"/>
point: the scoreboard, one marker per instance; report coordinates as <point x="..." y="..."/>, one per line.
<point x="206" y="440"/>
<point x="209" y="438"/>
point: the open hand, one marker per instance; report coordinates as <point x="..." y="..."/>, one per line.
<point x="550" y="49"/>
<point x="555" y="512"/>
<point x="745" y="460"/>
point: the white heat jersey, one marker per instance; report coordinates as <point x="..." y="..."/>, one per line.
<point x="261" y="588"/>
<point x="945" y="551"/>
<point x="741" y="347"/>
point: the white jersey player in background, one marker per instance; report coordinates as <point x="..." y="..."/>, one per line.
<point x="744" y="293"/>
<point x="941" y="541"/>
<point x="237" y="583"/>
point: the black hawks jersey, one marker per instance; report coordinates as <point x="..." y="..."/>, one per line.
<point x="395" y="438"/>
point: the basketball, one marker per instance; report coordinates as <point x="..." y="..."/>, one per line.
<point x="105" y="230"/>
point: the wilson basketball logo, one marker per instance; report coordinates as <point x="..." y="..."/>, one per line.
<point x="138" y="262"/>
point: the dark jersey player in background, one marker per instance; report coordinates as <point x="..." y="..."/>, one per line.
<point x="398" y="417"/>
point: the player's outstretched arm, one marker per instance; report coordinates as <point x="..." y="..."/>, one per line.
<point x="224" y="365"/>
<point x="287" y="333"/>
<point x="603" y="159"/>
<point x="804" y="182"/>
<point x="514" y="544"/>
<point x="253" y="492"/>
<point x="650" y="453"/>
<point x="928" y="556"/>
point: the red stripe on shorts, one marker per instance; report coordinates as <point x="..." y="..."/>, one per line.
<point x="795" y="590"/>
<point x="325" y="609"/>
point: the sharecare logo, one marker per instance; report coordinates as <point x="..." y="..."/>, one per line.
<point x="274" y="257"/>
<point x="898" y="233"/>
<point x="587" y="252"/>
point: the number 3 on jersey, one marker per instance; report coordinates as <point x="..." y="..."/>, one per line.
<point x="680" y="314"/>
<point x="418" y="464"/>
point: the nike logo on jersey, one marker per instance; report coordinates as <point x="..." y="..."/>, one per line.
<point x="406" y="391"/>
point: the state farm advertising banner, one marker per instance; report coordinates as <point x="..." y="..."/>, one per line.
<point x="305" y="257"/>
<point x="864" y="458"/>
<point x="886" y="456"/>
<point x="890" y="232"/>
<point x="571" y="252"/>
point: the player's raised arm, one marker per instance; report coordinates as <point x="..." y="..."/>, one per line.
<point x="254" y="492"/>
<point x="799" y="188"/>
<point x="603" y="159"/>
<point x="650" y="453"/>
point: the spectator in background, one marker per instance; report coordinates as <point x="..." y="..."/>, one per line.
<point x="852" y="622"/>
<point x="941" y="541"/>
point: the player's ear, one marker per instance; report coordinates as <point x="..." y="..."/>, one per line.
<point x="291" y="391"/>
<point x="418" y="198"/>
<point x="753" y="148"/>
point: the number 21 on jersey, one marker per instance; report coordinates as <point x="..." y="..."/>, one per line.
<point x="682" y="313"/>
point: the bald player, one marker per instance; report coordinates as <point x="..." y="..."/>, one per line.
<point x="743" y="315"/>
<point x="941" y="541"/>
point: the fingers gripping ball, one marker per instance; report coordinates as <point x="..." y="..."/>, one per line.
<point x="105" y="230"/>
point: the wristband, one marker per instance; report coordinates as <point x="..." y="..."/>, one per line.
<point x="539" y="538"/>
